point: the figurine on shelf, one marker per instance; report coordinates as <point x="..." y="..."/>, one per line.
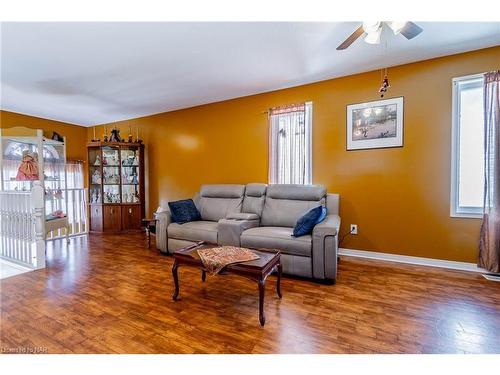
<point x="57" y="137"/>
<point x="97" y="160"/>
<point x="58" y="194"/>
<point x="128" y="161"/>
<point x="135" y="161"/>
<point x="111" y="197"/>
<point x="96" y="177"/>
<point x="135" y="179"/>
<point x="136" y="198"/>
<point x="110" y="177"/>
<point x="28" y="170"/>
<point x="93" y="197"/>
<point x="110" y="159"/>
<point x="115" y="135"/>
<point x="130" y="135"/>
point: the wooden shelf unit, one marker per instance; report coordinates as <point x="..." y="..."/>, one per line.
<point x="116" y="186"/>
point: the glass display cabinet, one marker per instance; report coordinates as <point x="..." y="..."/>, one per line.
<point x="27" y="156"/>
<point x="116" y="186"/>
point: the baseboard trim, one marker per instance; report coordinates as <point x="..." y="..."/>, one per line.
<point x="462" y="266"/>
<point x="492" y="277"/>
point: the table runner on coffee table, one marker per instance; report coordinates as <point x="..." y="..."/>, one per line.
<point x="216" y="258"/>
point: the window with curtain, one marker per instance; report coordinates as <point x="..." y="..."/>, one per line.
<point x="74" y="174"/>
<point x="290" y="144"/>
<point x="467" y="185"/>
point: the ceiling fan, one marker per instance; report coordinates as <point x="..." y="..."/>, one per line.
<point x="373" y="31"/>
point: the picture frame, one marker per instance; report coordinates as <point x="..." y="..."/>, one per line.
<point x="375" y="124"/>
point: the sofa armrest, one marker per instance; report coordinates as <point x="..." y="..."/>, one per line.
<point x="242" y="216"/>
<point x="325" y="248"/>
<point x="229" y="231"/>
<point x="164" y="219"/>
<point x="328" y="227"/>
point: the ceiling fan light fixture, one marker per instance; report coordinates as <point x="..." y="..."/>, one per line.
<point x="371" y="26"/>
<point x="373" y="37"/>
<point x="397" y="26"/>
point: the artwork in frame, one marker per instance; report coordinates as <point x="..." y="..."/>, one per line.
<point x="376" y="124"/>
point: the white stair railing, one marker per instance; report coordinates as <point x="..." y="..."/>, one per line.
<point x="76" y="212"/>
<point x="22" y="232"/>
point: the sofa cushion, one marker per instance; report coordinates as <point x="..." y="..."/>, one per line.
<point x="285" y="204"/>
<point x="306" y="222"/>
<point x="183" y="211"/>
<point x="255" y="190"/>
<point x="222" y="191"/>
<point x="194" y="231"/>
<point x="279" y="238"/>
<point x="296" y="192"/>
<point x="255" y="195"/>
<point x="321" y="217"/>
<point x="242" y="216"/>
<point x="214" y="209"/>
<point x="285" y="212"/>
<point x="217" y="201"/>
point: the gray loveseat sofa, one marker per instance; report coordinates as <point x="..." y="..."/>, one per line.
<point x="261" y="216"/>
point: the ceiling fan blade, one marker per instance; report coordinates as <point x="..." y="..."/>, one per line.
<point x="355" y="35"/>
<point x="411" y="30"/>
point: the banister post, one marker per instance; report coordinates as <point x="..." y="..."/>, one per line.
<point x="37" y="201"/>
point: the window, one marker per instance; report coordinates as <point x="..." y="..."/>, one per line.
<point x="14" y="151"/>
<point x="290" y="144"/>
<point x="467" y="184"/>
<point x="74" y="174"/>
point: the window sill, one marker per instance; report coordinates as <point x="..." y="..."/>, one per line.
<point x="466" y="215"/>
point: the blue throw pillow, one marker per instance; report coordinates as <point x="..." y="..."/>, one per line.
<point x="322" y="216"/>
<point x="184" y="211"/>
<point x="307" y="222"/>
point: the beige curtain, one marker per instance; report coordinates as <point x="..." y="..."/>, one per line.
<point x="74" y="174"/>
<point x="290" y="144"/>
<point x="489" y="245"/>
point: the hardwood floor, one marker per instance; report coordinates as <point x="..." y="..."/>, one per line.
<point x="111" y="294"/>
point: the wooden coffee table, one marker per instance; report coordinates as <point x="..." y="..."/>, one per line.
<point x="258" y="270"/>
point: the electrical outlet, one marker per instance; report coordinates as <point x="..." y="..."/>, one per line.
<point x="354" y="229"/>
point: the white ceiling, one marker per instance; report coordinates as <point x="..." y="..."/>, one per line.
<point x="93" y="73"/>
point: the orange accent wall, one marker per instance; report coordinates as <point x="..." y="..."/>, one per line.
<point x="399" y="197"/>
<point x="76" y="136"/>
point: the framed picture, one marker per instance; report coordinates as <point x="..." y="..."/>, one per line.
<point x="377" y="124"/>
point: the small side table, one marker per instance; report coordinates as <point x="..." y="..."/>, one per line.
<point x="150" y="225"/>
